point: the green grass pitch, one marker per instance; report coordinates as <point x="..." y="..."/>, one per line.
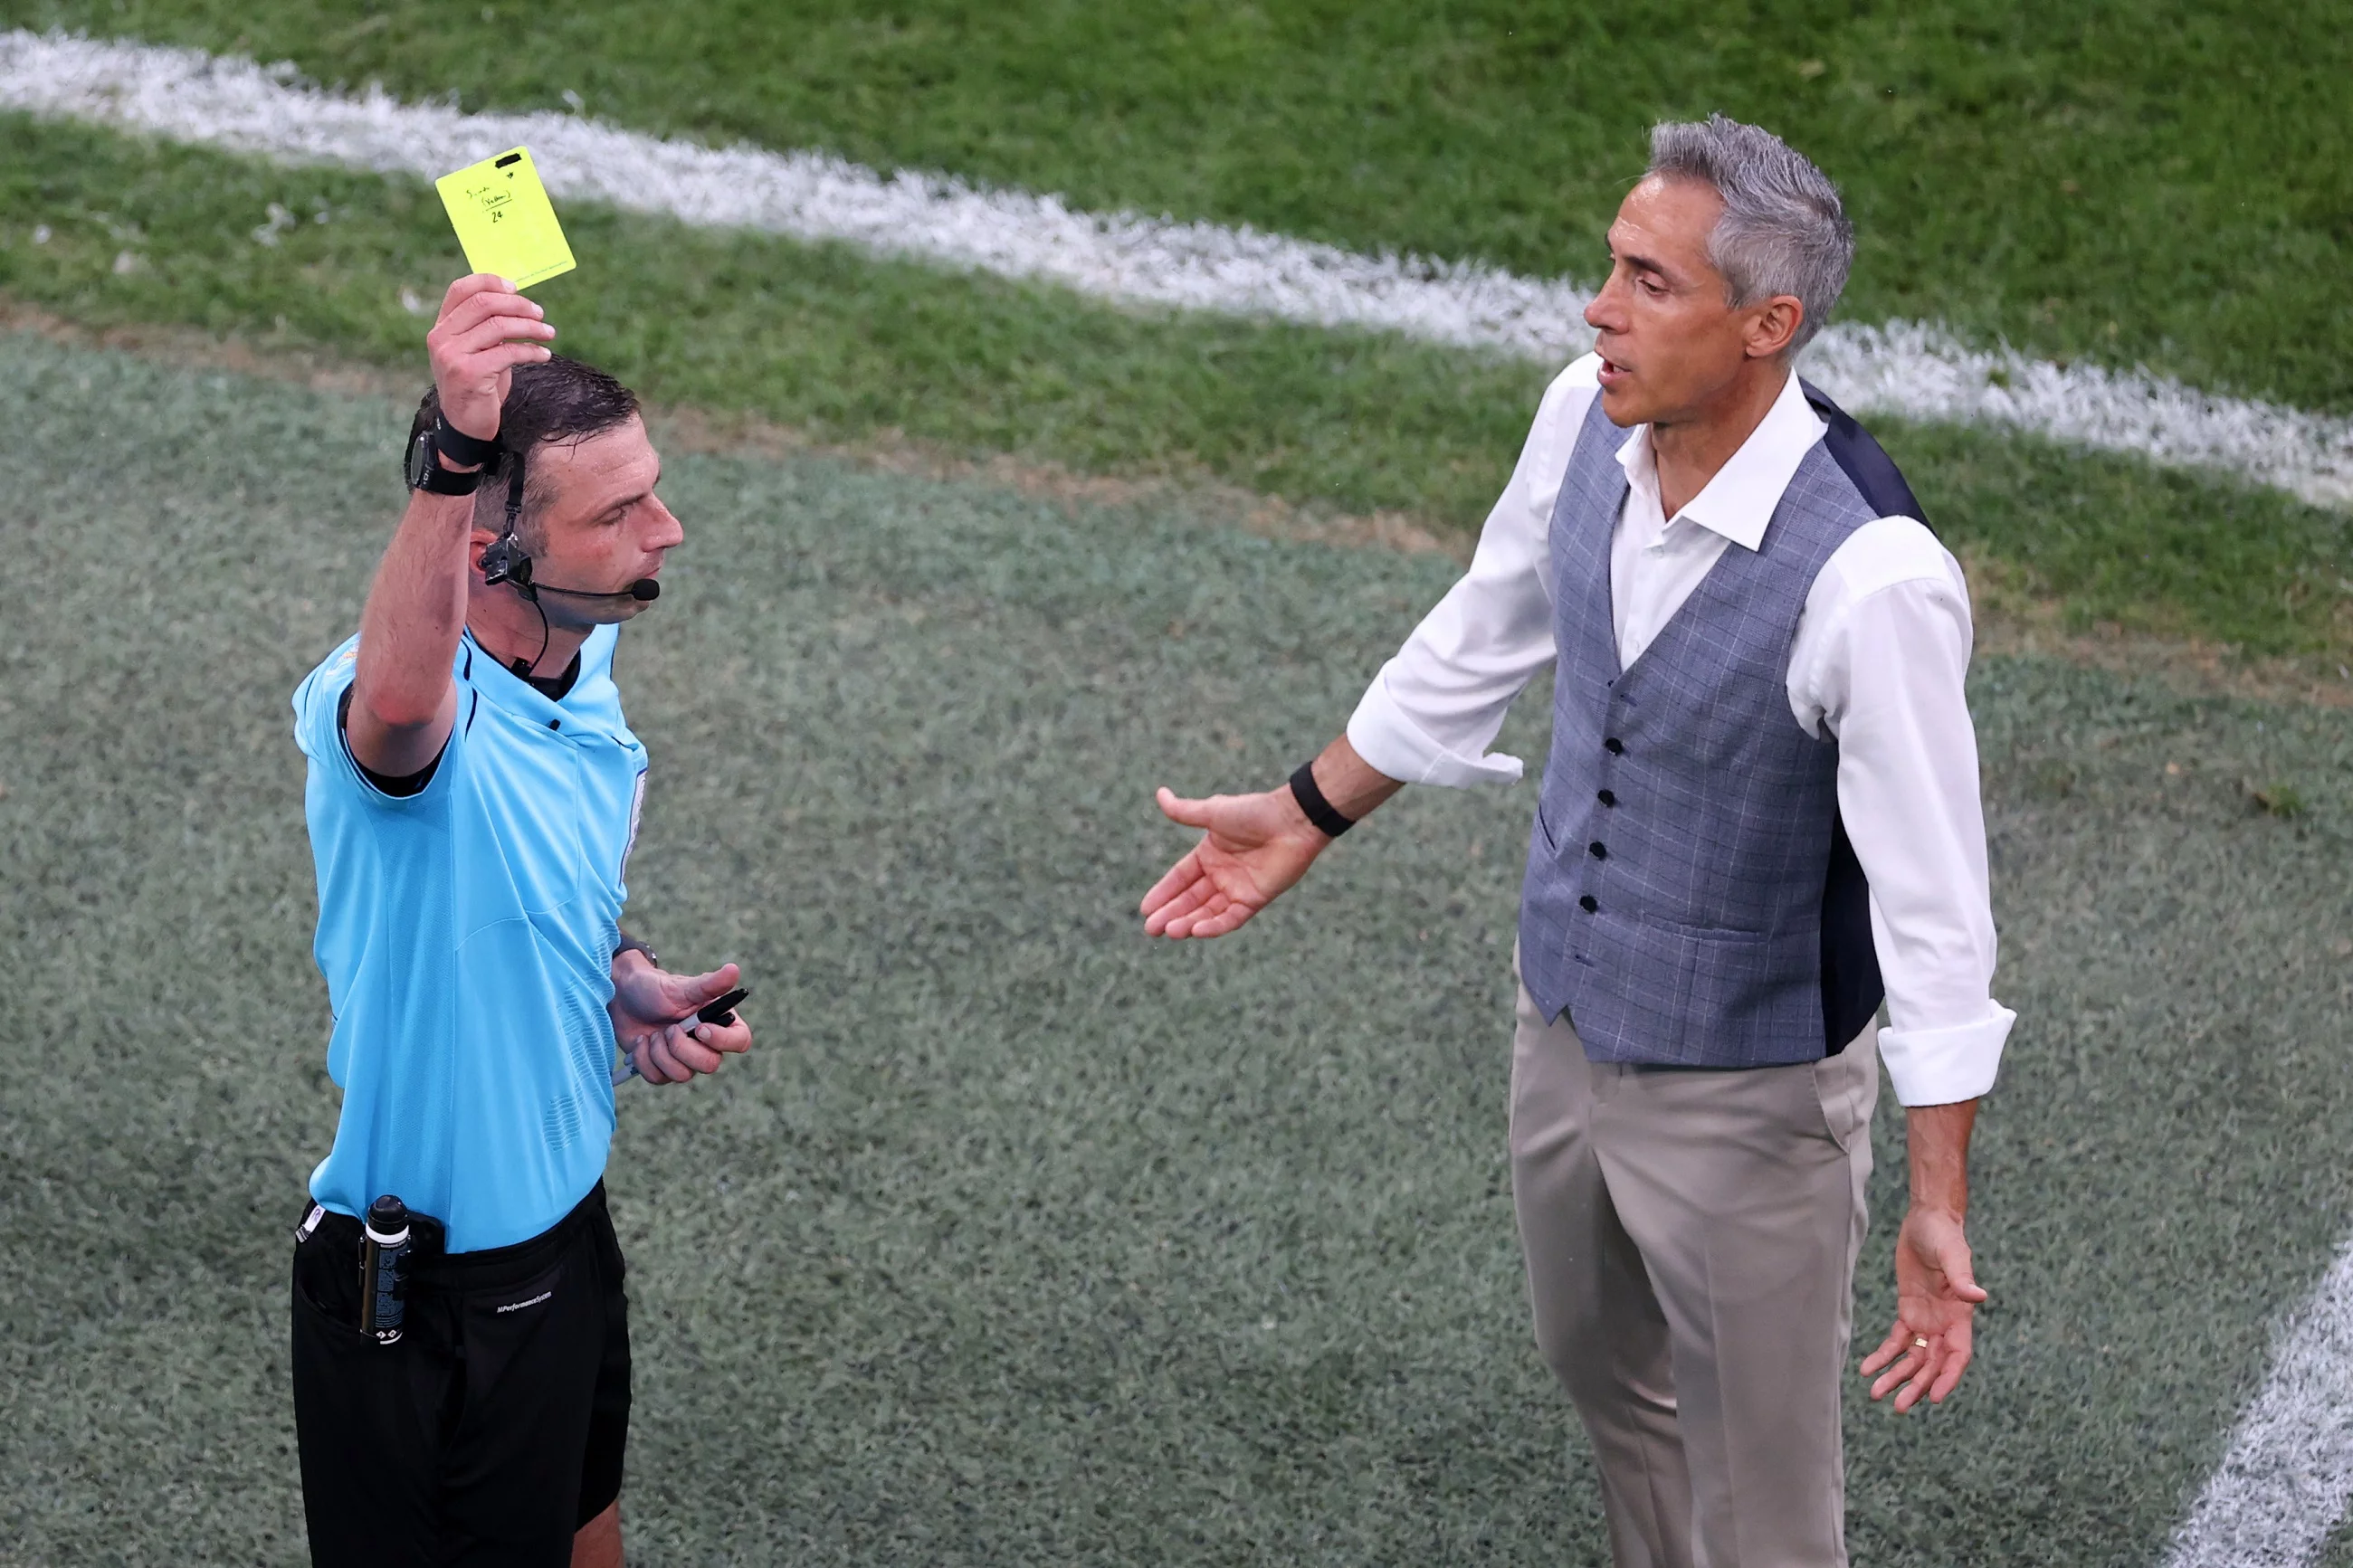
<point x="1019" y="1239"/>
<point x="848" y="347"/>
<point x="2136" y="182"/>
<point x="2123" y="180"/>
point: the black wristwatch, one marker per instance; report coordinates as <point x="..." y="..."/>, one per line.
<point x="425" y="471"/>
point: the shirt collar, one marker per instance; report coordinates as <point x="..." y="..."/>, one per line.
<point x="1739" y="501"/>
<point x="480" y="668"/>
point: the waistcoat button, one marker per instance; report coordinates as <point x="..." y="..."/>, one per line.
<point x="1606" y="799"/>
<point x="1599" y="850"/>
<point x="1588" y="903"/>
<point x="1614" y="746"/>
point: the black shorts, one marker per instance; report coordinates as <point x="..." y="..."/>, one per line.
<point x="494" y="1429"/>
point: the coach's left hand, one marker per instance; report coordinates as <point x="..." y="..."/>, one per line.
<point x="648" y="1002"/>
<point x="1936" y="1301"/>
<point x="1936" y="1291"/>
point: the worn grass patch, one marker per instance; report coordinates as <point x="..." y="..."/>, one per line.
<point x="1018" y="1239"/>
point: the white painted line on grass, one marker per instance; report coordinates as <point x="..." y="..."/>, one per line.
<point x="1912" y="370"/>
<point x="2285" y="1481"/>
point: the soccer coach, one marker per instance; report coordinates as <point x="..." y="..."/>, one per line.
<point x="472" y="799"/>
<point x="1759" y="819"/>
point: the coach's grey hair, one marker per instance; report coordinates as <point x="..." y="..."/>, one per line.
<point x="1784" y="230"/>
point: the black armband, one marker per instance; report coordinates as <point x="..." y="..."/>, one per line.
<point x="1311" y="801"/>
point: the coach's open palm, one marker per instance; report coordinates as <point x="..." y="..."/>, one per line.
<point x="1936" y="1298"/>
<point x="1253" y="848"/>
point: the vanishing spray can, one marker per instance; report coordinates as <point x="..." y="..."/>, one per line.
<point x="384" y="1269"/>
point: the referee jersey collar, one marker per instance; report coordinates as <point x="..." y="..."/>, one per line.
<point x="481" y="669"/>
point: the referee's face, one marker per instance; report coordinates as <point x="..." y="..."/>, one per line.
<point x="601" y="526"/>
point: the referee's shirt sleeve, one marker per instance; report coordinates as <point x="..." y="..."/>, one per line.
<point x="318" y="730"/>
<point x="318" y="704"/>
<point x="1433" y="711"/>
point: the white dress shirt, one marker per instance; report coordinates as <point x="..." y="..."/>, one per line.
<point x="1881" y="648"/>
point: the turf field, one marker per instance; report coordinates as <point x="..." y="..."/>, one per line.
<point x="1018" y="1239"/>
<point x="2125" y="179"/>
<point x="2205" y="154"/>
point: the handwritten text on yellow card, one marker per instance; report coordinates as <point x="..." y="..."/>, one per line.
<point x="504" y="219"/>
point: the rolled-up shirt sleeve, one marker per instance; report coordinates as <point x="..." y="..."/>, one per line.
<point x="1431" y="714"/>
<point x="1881" y="658"/>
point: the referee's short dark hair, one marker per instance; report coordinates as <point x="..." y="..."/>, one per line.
<point x="558" y="400"/>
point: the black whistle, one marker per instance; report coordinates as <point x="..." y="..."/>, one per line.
<point x="384" y="1269"/>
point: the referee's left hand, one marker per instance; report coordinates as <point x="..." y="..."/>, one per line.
<point x="652" y="1011"/>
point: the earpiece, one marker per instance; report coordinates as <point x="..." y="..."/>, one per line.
<point x="506" y="561"/>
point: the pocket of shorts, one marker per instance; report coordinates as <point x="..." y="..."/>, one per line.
<point x="519" y="1304"/>
<point x="342" y="1323"/>
<point x="501" y="1324"/>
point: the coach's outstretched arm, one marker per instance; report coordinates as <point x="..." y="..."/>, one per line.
<point x="403" y="700"/>
<point x="1254" y="846"/>
<point x="1428" y="717"/>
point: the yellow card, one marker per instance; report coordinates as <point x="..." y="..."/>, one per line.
<point x="505" y="221"/>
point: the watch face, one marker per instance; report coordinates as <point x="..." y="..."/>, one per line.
<point x="425" y="471"/>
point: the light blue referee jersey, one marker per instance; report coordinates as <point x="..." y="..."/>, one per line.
<point x="467" y="933"/>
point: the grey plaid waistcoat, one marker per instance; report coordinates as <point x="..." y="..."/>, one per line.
<point x="1691" y="896"/>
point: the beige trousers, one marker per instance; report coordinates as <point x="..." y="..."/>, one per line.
<point x="1691" y="1240"/>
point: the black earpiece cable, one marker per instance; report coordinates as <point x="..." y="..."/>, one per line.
<point x="522" y="579"/>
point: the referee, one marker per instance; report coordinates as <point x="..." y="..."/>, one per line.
<point x="472" y="799"/>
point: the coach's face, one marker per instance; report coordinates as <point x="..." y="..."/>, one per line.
<point x="600" y="526"/>
<point x="1672" y="347"/>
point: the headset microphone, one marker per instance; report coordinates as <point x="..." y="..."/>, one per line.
<point x="506" y="561"/>
<point x="645" y="591"/>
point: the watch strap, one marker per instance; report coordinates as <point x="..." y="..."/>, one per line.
<point x="471" y="451"/>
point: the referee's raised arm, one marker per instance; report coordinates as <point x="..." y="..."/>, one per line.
<point x="403" y="700"/>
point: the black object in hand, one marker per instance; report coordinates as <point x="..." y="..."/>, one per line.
<point x="721" y="1010"/>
